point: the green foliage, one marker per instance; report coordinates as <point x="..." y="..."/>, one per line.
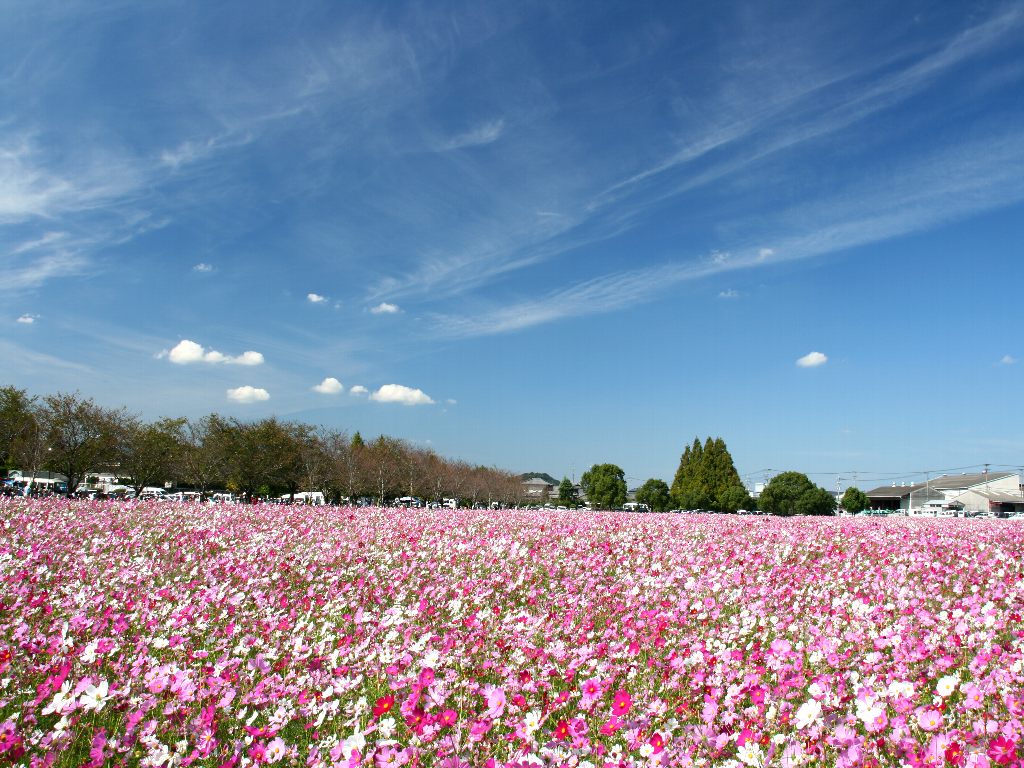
<point x="792" y="493"/>
<point x="855" y="500"/>
<point x="567" y="493"/>
<point x="706" y="476"/>
<point x="17" y="421"/>
<point x="150" y="454"/>
<point x="78" y="435"/>
<point x="605" y="486"/>
<point x="655" y="494"/>
<point x="733" y="499"/>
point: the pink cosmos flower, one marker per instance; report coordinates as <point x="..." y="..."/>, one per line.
<point x="276" y="749"/>
<point x="1002" y="750"/>
<point x="390" y="757"/>
<point x="383" y="705"/>
<point x="954" y="754"/>
<point x="495" y="698"/>
<point x="621" y="703"/>
<point x="591" y="692"/>
<point x="7" y="737"/>
<point x="973" y="696"/>
<point x="657" y="741"/>
<point x="257" y="751"/>
<point x="928" y="718"/>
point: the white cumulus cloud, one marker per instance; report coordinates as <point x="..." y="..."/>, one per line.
<point x="27" y="319"/>
<point x="329" y="386"/>
<point x="729" y="294"/>
<point x="248" y="394"/>
<point x="186" y="352"/>
<point x="1006" y="359"/>
<point x="384" y="309"/>
<point x="358" y="390"/>
<point x="203" y="267"/>
<point x="812" y="360"/>
<point x="397" y="393"/>
<point x="316" y="298"/>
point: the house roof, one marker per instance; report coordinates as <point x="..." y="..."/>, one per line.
<point x="536" y="481"/>
<point x="942" y="483"/>
<point x="1002" y="497"/>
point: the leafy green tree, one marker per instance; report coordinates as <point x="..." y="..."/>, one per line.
<point x="263" y="457"/>
<point x="79" y="436"/>
<point x="17" y="419"/>
<point x="567" y="494"/>
<point x="150" y="454"/>
<point x="855" y="500"/>
<point x="204" y="455"/>
<point x="705" y="476"/>
<point x="816" y="502"/>
<point x="604" y="486"/>
<point x="733" y="499"/>
<point x="792" y="493"/>
<point x="655" y="494"/>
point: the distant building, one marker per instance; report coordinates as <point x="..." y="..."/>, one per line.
<point x="537" y="488"/>
<point x="39" y="479"/>
<point x="975" y="492"/>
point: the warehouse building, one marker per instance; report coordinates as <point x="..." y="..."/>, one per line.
<point x="999" y="493"/>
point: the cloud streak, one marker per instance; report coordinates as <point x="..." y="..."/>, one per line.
<point x="485" y="133"/>
<point x="933" y="190"/>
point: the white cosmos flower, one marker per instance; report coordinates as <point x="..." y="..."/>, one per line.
<point x="62" y="703"/>
<point x="95" y="697"/>
<point x="750" y="754"/>
<point x="532" y="721"/>
<point x="946" y="685"/>
<point x="807" y="715"/>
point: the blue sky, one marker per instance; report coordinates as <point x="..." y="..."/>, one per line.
<point x="532" y="235"/>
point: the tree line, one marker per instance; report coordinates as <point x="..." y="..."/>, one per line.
<point x="74" y="436"/>
<point x="707" y="480"/>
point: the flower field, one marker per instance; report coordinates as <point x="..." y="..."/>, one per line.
<point x="155" y="634"/>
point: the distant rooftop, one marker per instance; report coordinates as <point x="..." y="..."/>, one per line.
<point x="941" y="483"/>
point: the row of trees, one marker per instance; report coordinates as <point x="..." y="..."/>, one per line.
<point x="74" y="436"/>
<point x="707" y="479"/>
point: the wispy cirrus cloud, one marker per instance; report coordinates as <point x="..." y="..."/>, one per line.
<point x="484" y="133"/>
<point x="750" y="124"/>
<point x="923" y="192"/>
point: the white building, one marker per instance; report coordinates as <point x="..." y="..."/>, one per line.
<point x="997" y="492"/>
